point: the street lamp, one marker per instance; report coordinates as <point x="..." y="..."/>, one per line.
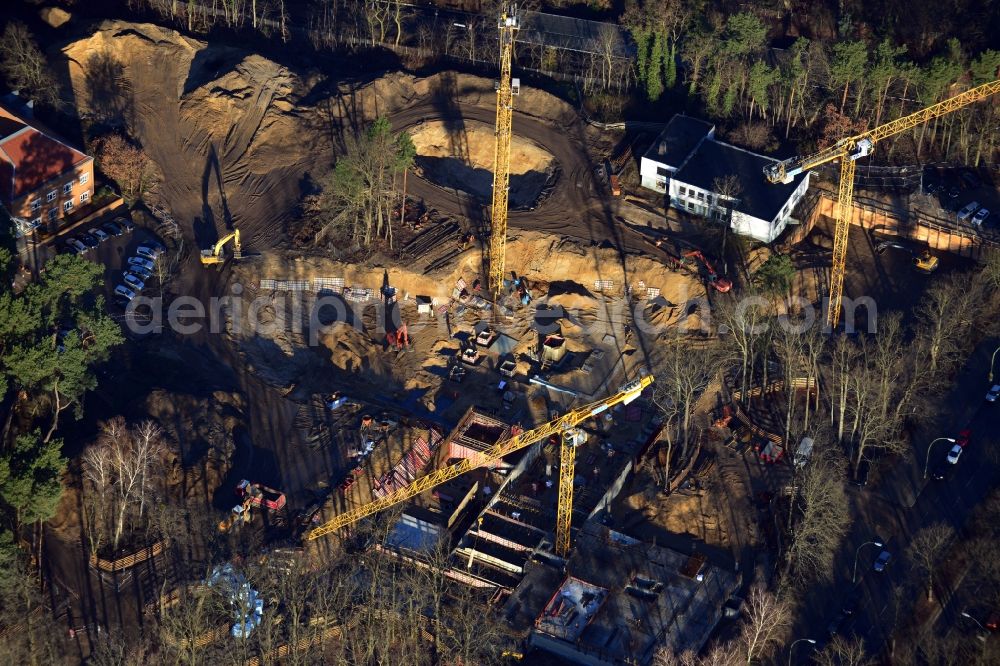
<point x="792" y="648"/>
<point x="992" y="359"/>
<point x="981" y="637"/>
<point x="927" y="462"/>
<point x="877" y="544"/>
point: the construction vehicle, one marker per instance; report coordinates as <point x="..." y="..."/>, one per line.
<point x="563" y="426"/>
<point x="240" y="515"/>
<point x="616" y="187"/>
<point x="718" y="283"/>
<point x="848" y="151"/>
<point x="214" y="256"/>
<point x="925" y="262"/>
<point x="260" y="495"/>
<point x="506" y="89"/>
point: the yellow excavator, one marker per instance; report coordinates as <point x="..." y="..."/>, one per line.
<point x="214" y="256"/>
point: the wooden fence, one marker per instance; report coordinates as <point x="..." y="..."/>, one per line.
<point x="128" y="561"/>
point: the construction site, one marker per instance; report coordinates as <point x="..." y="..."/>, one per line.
<point x="492" y="399"/>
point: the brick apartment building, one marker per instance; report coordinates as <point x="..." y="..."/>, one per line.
<point x="42" y="179"/>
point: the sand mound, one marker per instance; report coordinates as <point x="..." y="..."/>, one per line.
<point x="473" y="143"/>
<point x="238" y="137"/>
<point x="351" y="350"/>
<point x="217" y="121"/>
<point x="460" y="155"/>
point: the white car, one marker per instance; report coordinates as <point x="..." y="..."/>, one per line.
<point x="954" y="454"/>
<point x="77" y="245"/>
<point x="133" y="281"/>
<point x="147" y="252"/>
<point x="993" y="393"/>
<point x="139" y="261"/>
<point x="124" y="292"/>
<point x="968" y="210"/>
<point x="980" y="216"/>
<point x="99" y="234"/>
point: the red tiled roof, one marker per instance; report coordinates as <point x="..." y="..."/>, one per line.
<point x="29" y="158"/>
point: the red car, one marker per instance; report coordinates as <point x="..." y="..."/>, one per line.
<point x="963" y="437"/>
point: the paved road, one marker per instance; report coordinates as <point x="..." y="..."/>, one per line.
<point x="903" y="503"/>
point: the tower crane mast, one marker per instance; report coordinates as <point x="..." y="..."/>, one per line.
<point x="848" y="151"/>
<point x="564" y="425"/>
<point x="506" y="89"/>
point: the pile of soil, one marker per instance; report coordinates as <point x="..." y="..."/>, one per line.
<point x="239" y="138"/>
<point x="460" y="155"/>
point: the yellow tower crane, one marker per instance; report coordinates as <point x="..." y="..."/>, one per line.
<point x="850" y="150"/>
<point x="506" y="89"/>
<point x="564" y="426"/>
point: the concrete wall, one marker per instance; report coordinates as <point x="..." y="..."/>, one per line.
<point x="936" y="236"/>
<point x="650" y="179"/>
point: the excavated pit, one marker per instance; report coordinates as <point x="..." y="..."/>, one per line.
<point x="459" y="155"/>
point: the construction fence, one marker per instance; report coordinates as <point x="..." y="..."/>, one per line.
<point x="128" y="561"/>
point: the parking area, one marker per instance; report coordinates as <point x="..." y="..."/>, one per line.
<point x="128" y="252"/>
<point x="961" y="194"/>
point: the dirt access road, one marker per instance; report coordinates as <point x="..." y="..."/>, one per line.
<point x="579" y="206"/>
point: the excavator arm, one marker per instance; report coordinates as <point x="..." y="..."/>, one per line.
<point x="627" y="394"/>
<point x="214" y="256"/>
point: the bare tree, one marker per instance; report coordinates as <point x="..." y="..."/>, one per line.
<point x="843" y="651"/>
<point x="126" y="164"/>
<point x="119" y="466"/>
<point x="24" y="66"/>
<point x="765" y="625"/>
<point x="820" y="516"/>
<point x="683" y="373"/>
<point x="927" y="550"/>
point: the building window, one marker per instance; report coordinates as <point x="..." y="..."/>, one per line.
<point x="662" y="171"/>
<point x="36" y="205"/>
<point x="53" y="214"/>
<point x="84" y="178"/>
<point x="68" y="205"/>
<point x="84" y="196"/>
<point x="682" y="190"/>
<point x="37" y="222"/>
<point x="701" y="196"/>
<point x="68" y="188"/>
<point x="51" y="196"/>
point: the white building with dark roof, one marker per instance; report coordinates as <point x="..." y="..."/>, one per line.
<point x="686" y="162"/>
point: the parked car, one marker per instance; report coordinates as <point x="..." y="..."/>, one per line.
<point x="852" y="604"/>
<point x="953" y="192"/>
<point x="836" y="624"/>
<point x="971" y="179"/>
<point x="133" y="281"/>
<point x="993" y="393"/>
<point x="954" y="454"/>
<point x="112" y="228"/>
<point x="77" y="245"/>
<point x="123" y="292"/>
<point x="882" y="561"/>
<point x="940" y="471"/>
<point x="125" y="223"/>
<point x="66" y="248"/>
<point x="139" y="261"/>
<point x="99" y="234"/>
<point x="930" y="186"/>
<point x="963" y="437"/>
<point x="87" y="240"/>
<point x="980" y="216"/>
<point x="141" y="271"/>
<point x="968" y="210"/>
<point x="148" y="252"/>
